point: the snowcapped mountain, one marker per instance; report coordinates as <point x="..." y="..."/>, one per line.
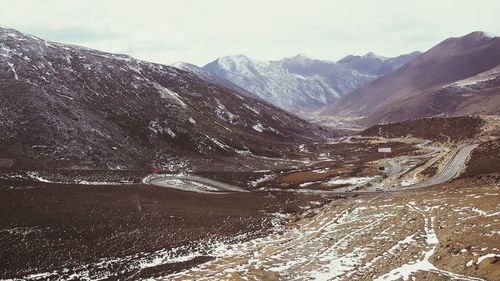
<point x="211" y="78"/>
<point x="299" y="83"/>
<point x="68" y="107"/>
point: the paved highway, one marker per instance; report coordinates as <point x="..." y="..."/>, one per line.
<point x="194" y="183"/>
<point x="185" y="182"/>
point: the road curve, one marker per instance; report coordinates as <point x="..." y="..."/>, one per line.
<point x="452" y="169"/>
<point x="201" y="185"/>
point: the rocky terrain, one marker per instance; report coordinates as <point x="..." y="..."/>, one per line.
<point x="457" y="76"/>
<point x="298" y="84"/>
<point x="331" y="213"/>
<point x="71" y="107"/>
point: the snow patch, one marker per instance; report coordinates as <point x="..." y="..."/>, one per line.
<point x="168" y="94"/>
<point x="350" y="181"/>
<point x="259" y="128"/>
<point x="252" y="109"/>
<point x="13" y="70"/>
<point x="256" y="182"/>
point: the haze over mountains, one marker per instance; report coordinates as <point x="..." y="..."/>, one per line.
<point x="299" y="83"/>
<point x="68" y="106"/>
<point x="457" y="76"/>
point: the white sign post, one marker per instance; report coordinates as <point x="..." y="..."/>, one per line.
<point x="385" y="150"/>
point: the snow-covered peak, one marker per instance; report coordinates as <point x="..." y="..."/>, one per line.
<point x="477" y="35"/>
<point x="186" y="66"/>
<point x="229" y="61"/>
<point x="232" y="65"/>
<point x="300" y="82"/>
<point x="374" y="56"/>
<point x="301" y="58"/>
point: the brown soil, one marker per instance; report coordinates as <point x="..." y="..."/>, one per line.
<point x="381" y="232"/>
<point x="484" y="159"/>
<point x="357" y="160"/>
<point x="46" y="227"/>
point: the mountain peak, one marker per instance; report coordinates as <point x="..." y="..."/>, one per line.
<point x="479" y="35"/>
<point x="183" y="65"/>
<point x="238" y="57"/>
<point x="301" y="56"/>
<point x="235" y="60"/>
<point x="373" y="55"/>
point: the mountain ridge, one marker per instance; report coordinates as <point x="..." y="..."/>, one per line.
<point x="417" y="86"/>
<point x="72" y="107"/>
<point x="297" y="83"/>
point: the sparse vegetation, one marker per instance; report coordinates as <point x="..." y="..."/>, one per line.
<point x="442" y="129"/>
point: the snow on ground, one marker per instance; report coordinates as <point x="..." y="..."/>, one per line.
<point x="350" y="181"/>
<point x="321" y="171"/>
<point x="169" y="94"/>
<point x="251" y="109"/>
<point x="258" y="127"/>
<point x="306" y="184"/>
<point x="265" y="178"/>
<point x="410" y="180"/>
<point x="170" y="132"/>
<point x="156" y="127"/>
<point x="190" y="186"/>
<point x="346" y="240"/>
<point x="377" y="237"/>
<point x="37" y="177"/>
<point x="406" y="270"/>
<point x="13" y="70"/>
<point x="224" y="114"/>
<point x="302" y="148"/>
<point x="218" y="143"/>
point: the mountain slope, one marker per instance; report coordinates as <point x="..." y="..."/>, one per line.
<point x="70" y="107"/>
<point x="211" y="78"/>
<point x="300" y="83"/>
<point x="423" y="87"/>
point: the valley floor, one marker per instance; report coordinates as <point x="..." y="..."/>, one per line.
<point x="341" y="211"/>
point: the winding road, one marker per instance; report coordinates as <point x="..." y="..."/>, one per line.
<point x="452" y="169"/>
<point x="203" y="185"/>
<point x="193" y="183"/>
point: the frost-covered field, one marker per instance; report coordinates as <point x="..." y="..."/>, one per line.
<point x="447" y="234"/>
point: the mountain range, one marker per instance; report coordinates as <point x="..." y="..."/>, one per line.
<point x="458" y="76"/>
<point x="66" y="106"/>
<point x="300" y="83"/>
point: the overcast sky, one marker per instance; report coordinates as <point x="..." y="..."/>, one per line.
<point x="199" y="31"/>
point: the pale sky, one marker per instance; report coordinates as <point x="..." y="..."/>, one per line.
<point x="199" y="31"/>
